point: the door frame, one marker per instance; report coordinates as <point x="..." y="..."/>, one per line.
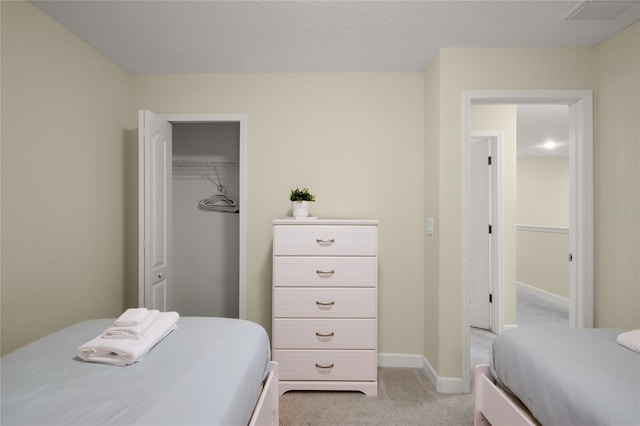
<point x="581" y="221"/>
<point x="241" y="119"/>
<point x="496" y="147"/>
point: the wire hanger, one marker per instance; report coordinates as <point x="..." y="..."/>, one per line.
<point x="218" y="202"/>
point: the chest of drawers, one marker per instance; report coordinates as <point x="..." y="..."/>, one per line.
<point x="325" y="275"/>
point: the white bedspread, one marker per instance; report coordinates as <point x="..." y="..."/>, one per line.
<point x="207" y="371"/>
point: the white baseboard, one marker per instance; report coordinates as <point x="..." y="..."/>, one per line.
<point x="550" y="297"/>
<point x="442" y="384"/>
<point x="400" y="360"/>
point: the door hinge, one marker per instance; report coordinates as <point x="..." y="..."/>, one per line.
<point x="489" y="160"/>
<point x="490" y="298"/>
<point x="570" y="257"/>
<point x="490" y="229"/>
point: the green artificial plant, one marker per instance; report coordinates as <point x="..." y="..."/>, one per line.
<point x="301" y="195"/>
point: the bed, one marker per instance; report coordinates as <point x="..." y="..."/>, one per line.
<point x="214" y="371"/>
<point x="558" y="376"/>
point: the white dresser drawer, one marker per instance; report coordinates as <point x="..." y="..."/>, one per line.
<point x="324" y="333"/>
<point x="324" y="302"/>
<point x="326" y="365"/>
<point x="294" y="271"/>
<point x="324" y="240"/>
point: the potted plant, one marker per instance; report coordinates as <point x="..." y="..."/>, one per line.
<point x="300" y="199"/>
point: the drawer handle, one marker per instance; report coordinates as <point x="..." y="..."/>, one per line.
<point x="325" y="242"/>
<point x="327" y="366"/>
<point x="325" y="334"/>
<point x="325" y="303"/>
<point x="331" y="272"/>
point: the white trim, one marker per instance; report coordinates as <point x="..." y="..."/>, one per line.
<point x="543" y="294"/>
<point x="400" y="360"/>
<point x="581" y="215"/>
<point x="141" y="209"/>
<point x="244" y="213"/>
<point x="450" y="385"/>
<point x="241" y="119"/>
<point x="419" y="361"/>
<point x="581" y="243"/>
<point x="546" y="229"/>
<point x="429" y="371"/>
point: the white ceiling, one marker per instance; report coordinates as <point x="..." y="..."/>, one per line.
<point x="183" y="36"/>
<point x="186" y="36"/>
<point x="537" y="124"/>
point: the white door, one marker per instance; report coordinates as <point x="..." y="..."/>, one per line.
<point x="154" y="177"/>
<point x="480" y="266"/>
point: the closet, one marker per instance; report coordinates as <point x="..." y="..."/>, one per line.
<point x="205" y="219"/>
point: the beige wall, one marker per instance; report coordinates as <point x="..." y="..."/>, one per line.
<point x="431" y="203"/>
<point x="617" y="180"/>
<point x="611" y="69"/>
<point x="542" y="261"/>
<point x="503" y="118"/>
<point x="543" y="191"/>
<point x="543" y="200"/>
<point x="1" y="352"/>
<point x="356" y="140"/>
<point x="473" y="69"/>
<point x="63" y="120"/>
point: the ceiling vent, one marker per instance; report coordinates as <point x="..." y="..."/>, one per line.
<point x="599" y="10"/>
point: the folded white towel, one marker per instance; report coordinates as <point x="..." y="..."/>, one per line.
<point x="128" y="351"/>
<point x="630" y="339"/>
<point x="131" y="317"/>
<point x="134" y="331"/>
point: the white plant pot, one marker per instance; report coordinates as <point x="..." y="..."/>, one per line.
<point x="300" y="208"/>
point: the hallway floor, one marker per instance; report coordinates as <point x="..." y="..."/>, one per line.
<point x="531" y="310"/>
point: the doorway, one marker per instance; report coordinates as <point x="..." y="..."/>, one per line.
<point x="205" y="219"/>
<point x="542" y="215"/>
<point x="581" y="202"/>
<point x="205" y="174"/>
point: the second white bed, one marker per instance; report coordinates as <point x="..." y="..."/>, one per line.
<point x="563" y="376"/>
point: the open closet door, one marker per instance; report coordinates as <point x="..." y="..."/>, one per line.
<point x="154" y="200"/>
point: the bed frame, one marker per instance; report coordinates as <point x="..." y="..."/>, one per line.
<point x="493" y="406"/>
<point x="267" y="411"/>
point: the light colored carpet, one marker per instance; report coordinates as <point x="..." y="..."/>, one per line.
<point x="531" y="310"/>
<point x="405" y="397"/>
<point x="535" y="310"/>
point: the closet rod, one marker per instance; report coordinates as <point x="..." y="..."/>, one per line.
<point x="203" y="164"/>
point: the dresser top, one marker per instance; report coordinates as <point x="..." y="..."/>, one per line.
<point x="308" y="221"/>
